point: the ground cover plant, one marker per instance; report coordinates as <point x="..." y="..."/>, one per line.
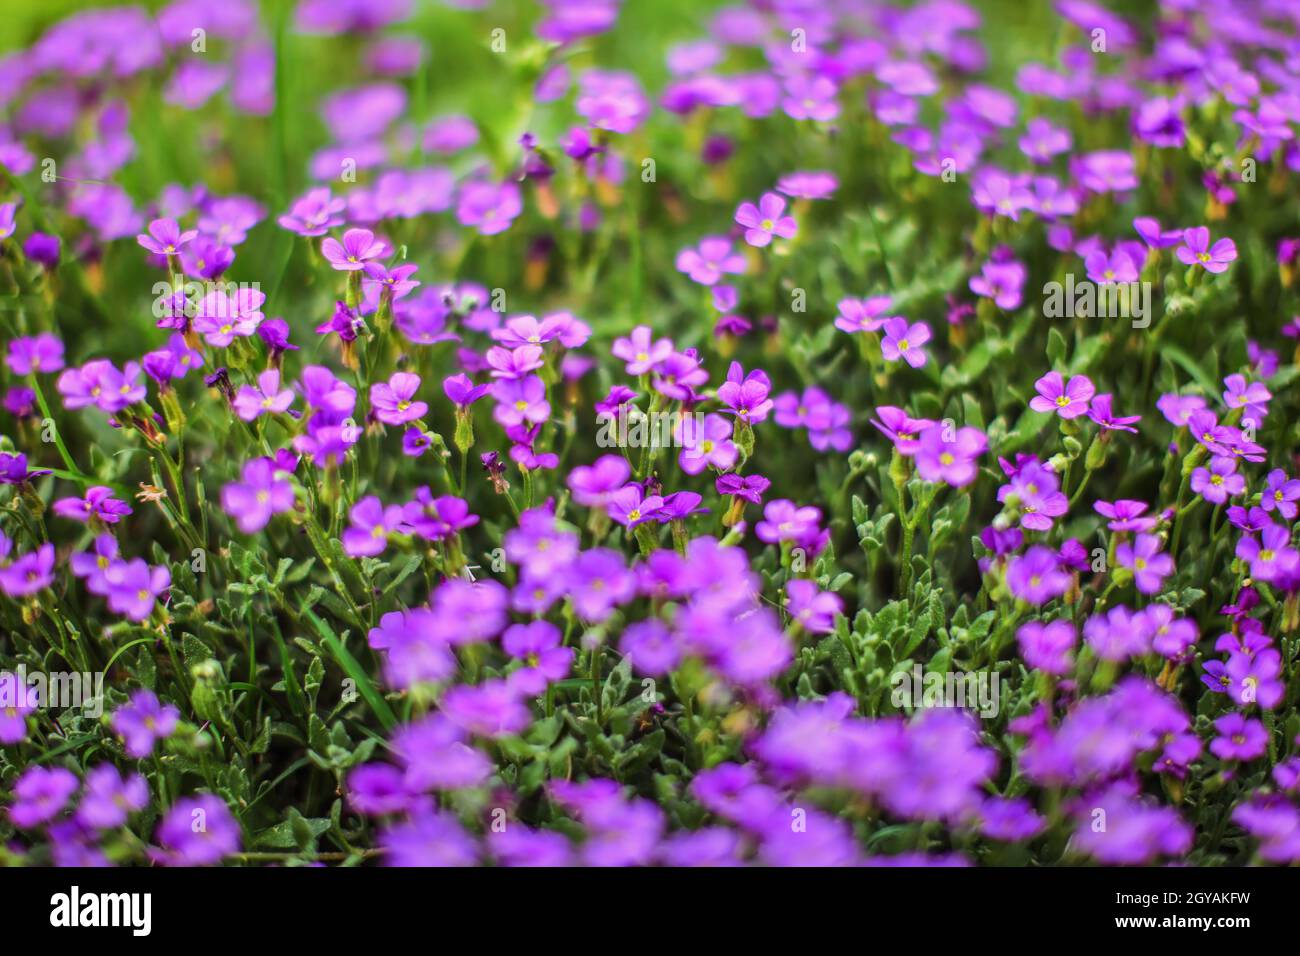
<point x="573" y="433"/>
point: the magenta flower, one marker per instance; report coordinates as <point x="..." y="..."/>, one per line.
<point x="40" y="794"/>
<point x="1219" y="482"/>
<point x="1067" y="400"/>
<point x="1102" y="416"/>
<point x="764" y="221"/>
<point x="520" y="400"/>
<point x="1048" y="647"/>
<point x="198" y="831"/>
<point x="371" y="524"/>
<point x="393" y="402"/>
<point x="221" y="317"/>
<point x="142" y="721"/>
<point x="598" y="582"/>
<point x="898" y="427"/>
<point x="783" y="520"/>
<point x="1003" y="282"/>
<point x="592" y="485"/>
<point x="1281" y="493"/>
<point x="641" y="351"/>
<point x="862" y="315"/>
<point x="1036" y="576"/>
<point x="259" y="494"/>
<point x="133" y="587"/>
<point x="812" y="608"/>
<point x="165" y="237"/>
<point x="1197" y="251"/>
<point x="1149" y="565"/>
<point x="27" y="573"/>
<point x="905" y="341"/>
<point x="1240" y="738"/>
<point x="630" y="506"/>
<point x="1125" y="514"/>
<point x="950" y="459"/>
<point x="31" y="354"/>
<point x="1271" y="557"/>
<point x="266" y="398"/>
<point x="350" y="255"/>
<point x="706" y="444"/>
<point x="710" y="261"/>
<point x="17" y="700"/>
<point x="462" y="390"/>
<point x="489" y="207"/>
<point x="98" y="504"/>
<point x="314" y="213"/>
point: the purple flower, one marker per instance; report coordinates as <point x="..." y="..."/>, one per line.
<point x="783" y="520"/>
<point x="266" y="398"/>
<point x="165" y="237"/>
<point x="258" y="495"/>
<point x="491" y="709"/>
<point x="1272" y="556"/>
<point x="1240" y="738"/>
<point x="746" y="395"/>
<point x="630" y="506"/>
<point x="17" y="700"/>
<point x="748" y="487"/>
<point x="28" y="573"/>
<point x="142" y="720"/>
<point x="1035" y="492"/>
<point x="198" y="831"/>
<point x="902" y="430"/>
<point x="812" y="608"/>
<point x="350" y="255"/>
<point x="1042" y="140"/>
<point x="1219" y="482"/>
<point x="111" y="797"/>
<point x="429" y="838"/>
<point x="1100" y="412"/>
<point x="1067" y="400"/>
<point x="1197" y="251"/>
<point x="370" y="525"/>
<point x="640" y="351"/>
<point x="905" y="341"/>
<point x="133" y="587"/>
<point x="538" y="645"/>
<point x="43" y="249"/>
<point x="314" y="213"/>
<point x="221" y="317"/>
<point x="1036" y="576"/>
<point x="1149" y="565"/>
<point x="764" y="221"/>
<point x="462" y="390"/>
<point x="598" y="582"/>
<point x="706" y="444"/>
<point x="520" y="400"/>
<point x="1003" y="282"/>
<point x="98" y="504"/>
<point x="1281" y="493"/>
<point x="31" y="354"/>
<point x="651" y="647"/>
<point x="1253" y="397"/>
<point x="489" y="207"/>
<point x="393" y="401"/>
<point x="710" y="261"/>
<point x="1155" y="237"/>
<point x="862" y="315"/>
<point x="1047" y="647"/>
<point x="40" y="794"/>
<point x="1125" y="515"/>
<point x="951" y="461"/>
